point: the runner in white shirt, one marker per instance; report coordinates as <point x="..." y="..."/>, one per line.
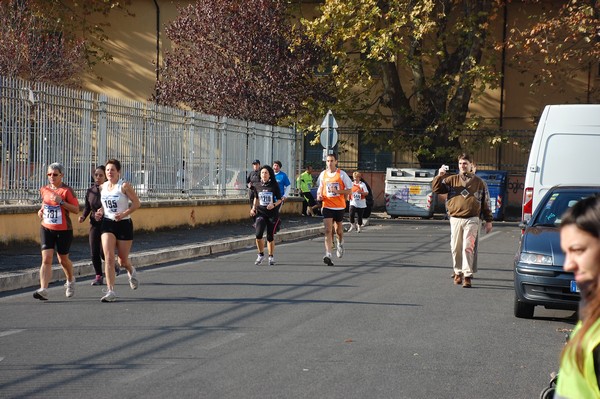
<point x="117" y="227"/>
<point x="358" y="202"/>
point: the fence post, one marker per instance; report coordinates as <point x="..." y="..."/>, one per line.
<point x="222" y="174"/>
<point x="101" y="128"/>
<point x="188" y="160"/>
<point x="250" y="143"/>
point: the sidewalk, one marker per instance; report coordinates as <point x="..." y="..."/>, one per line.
<point x="19" y="264"/>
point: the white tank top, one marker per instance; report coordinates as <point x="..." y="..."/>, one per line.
<point x="114" y="201"/>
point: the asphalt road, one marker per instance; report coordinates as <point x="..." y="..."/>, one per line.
<point x="26" y="255"/>
<point x="385" y="322"/>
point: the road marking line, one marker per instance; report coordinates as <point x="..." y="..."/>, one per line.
<point x="222" y="341"/>
<point x="486" y="236"/>
<point x="9" y="332"/>
<point x="144" y="370"/>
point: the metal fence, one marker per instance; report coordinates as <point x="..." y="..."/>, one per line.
<point x="165" y="152"/>
<point x="506" y="150"/>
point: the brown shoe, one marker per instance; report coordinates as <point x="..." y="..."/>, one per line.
<point x="457" y="279"/>
<point x="467" y="283"/>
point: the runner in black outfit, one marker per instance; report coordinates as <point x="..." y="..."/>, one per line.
<point x="370" y="203"/>
<point x="92" y="204"/>
<point x="253" y="179"/>
<point x="267" y="199"/>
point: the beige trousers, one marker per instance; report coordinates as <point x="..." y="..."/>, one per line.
<point x="463" y="238"/>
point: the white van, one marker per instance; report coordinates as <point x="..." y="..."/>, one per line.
<point x="565" y="150"/>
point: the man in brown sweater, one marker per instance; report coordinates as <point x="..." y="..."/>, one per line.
<point x="467" y="202"/>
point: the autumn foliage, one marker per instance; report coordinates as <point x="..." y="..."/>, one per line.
<point x="242" y="59"/>
<point x="413" y="65"/>
<point x="559" y="42"/>
<point x="54" y="40"/>
<point x="36" y="48"/>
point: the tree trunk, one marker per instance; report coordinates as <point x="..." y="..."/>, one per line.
<point x="394" y="98"/>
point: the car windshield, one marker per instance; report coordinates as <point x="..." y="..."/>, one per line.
<point x="556" y="204"/>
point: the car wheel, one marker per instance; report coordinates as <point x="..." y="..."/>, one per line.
<point x="523" y="310"/>
<point x="548" y="393"/>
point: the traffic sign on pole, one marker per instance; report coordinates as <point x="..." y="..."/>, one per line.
<point x="329" y="135"/>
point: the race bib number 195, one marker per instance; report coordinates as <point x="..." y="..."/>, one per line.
<point x="111" y="204"/>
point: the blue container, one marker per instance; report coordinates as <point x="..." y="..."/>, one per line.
<point x="496" y="181"/>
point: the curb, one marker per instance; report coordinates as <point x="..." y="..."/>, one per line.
<point x="31" y="277"/>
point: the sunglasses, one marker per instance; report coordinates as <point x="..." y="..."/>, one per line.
<point x="53" y="174"/>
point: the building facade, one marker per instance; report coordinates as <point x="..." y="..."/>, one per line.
<point x="138" y="44"/>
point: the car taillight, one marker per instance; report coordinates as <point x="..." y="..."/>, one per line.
<point x="527" y="203"/>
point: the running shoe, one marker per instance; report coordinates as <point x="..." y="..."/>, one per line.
<point x="358" y="229"/>
<point x="259" y="259"/>
<point x="41" y="294"/>
<point x="109" y="297"/>
<point x="351" y="228"/>
<point x="70" y="288"/>
<point x="271" y="261"/>
<point x="98" y="280"/>
<point x="340" y="248"/>
<point x="327" y="260"/>
<point x="133" y="281"/>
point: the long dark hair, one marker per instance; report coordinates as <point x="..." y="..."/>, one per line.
<point x="270" y="170"/>
<point x="585" y="215"/>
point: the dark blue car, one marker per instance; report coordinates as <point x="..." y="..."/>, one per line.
<point x="539" y="276"/>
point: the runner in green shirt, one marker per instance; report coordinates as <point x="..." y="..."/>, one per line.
<point x="304" y="182"/>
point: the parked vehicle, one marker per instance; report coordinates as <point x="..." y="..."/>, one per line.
<point x="139" y="179"/>
<point x="538" y="267"/>
<point x="235" y="181"/>
<point x="564" y="151"/>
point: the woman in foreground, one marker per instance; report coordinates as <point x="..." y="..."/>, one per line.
<point x="119" y="201"/>
<point x="56" y="230"/>
<point x="579" y="375"/>
<point x="265" y="209"/>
